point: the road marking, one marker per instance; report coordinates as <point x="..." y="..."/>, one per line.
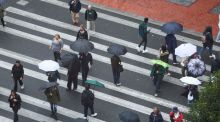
<point x="130" y="23"/>
<point x="102" y="96"/>
<point x="22" y="2"/>
<point x="4" y="119"/>
<point x="111" y="86"/>
<point x="26" y="113"/>
<point x="97" y="45"/>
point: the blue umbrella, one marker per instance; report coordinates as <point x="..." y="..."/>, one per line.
<point x="116" y="49"/>
<point x="172" y="28"/>
<point x="128" y="116"/>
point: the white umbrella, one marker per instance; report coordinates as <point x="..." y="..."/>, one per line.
<point x="185" y="50"/>
<point x="190" y="80"/>
<point x="48" y="65"/>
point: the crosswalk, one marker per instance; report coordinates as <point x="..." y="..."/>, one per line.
<point x="27" y="26"/>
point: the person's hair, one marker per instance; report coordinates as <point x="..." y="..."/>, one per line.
<point x="87" y="86"/>
<point x="58" y="35"/>
<point x="208" y="29"/>
<point x="18" y="62"/>
<point x="82" y="26"/>
<point x="145" y="19"/>
<point x="13" y="91"/>
<point x="157" y="110"/>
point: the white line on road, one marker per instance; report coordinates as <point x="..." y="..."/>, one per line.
<point x="4" y="119"/>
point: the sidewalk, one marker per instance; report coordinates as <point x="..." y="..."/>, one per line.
<point x="195" y="17"/>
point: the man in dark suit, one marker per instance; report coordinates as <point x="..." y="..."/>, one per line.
<point x="116" y="62"/>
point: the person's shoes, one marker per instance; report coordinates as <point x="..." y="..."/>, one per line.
<point x="84" y="117"/>
<point x="118" y="84"/>
<point x="168" y="74"/>
<point x="138" y="49"/>
<point x="212" y="56"/>
<point x="74" y="89"/>
<point x="155" y="94"/>
<point x="94" y="115"/>
<point x="22" y="87"/>
<point x="145" y="51"/>
<point x="175" y="63"/>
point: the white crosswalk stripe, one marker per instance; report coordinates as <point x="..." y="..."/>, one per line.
<point x="4" y="119"/>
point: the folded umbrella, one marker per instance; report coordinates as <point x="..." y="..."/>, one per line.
<point x="128" y="116"/>
<point x="48" y="65"/>
<point x="67" y="58"/>
<point x="95" y="83"/>
<point x="159" y="62"/>
<point x="185" y="50"/>
<point x="196" y="67"/>
<point x="190" y="80"/>
<point x="172" y="28"/>
<point x="116" y="49"/>
<point x="82" y="46"/>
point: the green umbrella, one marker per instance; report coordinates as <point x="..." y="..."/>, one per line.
<point x="159" y="62"/>
<point x="95" y="83"/>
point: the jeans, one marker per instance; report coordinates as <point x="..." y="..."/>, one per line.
<point x="116" y="76"/>
<point x="157" y="80"/>
<point x="204" y="47"/>
<point x="218" y="37"/>
<point x="56" y="56"/>
<point x="16" y="80"/>
<point x="174" y="56"/>
<point x="86" y="107"/>
<point x="15" y="110"/>
<point x="3" y="22"/>
<point x="53" y="108"/>
<point x="144" y="40"/>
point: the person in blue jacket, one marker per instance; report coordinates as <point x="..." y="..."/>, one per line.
<point x="171" y="43"/>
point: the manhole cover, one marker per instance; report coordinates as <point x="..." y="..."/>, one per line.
<point x="183" y="2"/>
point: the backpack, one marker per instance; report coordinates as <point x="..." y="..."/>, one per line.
<point x="87" y="98"/>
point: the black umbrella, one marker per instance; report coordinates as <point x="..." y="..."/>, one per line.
<point x="116" y="49"/>
<point x="80" y="120"/>
<point x="82" y="46"/>
<point x="128" y="116"/>
<point x="172" y="28"/>
<point x="67" y="58"/>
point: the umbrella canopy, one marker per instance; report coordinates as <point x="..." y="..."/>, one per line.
<point x="80" y="120"/>
<point x="159" y="62"/>
<point x="67" y="58"/>
<point x="128" y="116"/>
<point x="48" y="65"/>
<point x="116" y="49"/>
<point x="185" y="50"/>
<point x="190" y="80"/>
<point x="196" y="67"/>
<point x="172" y="28"/>
<point x="95" y="83"/>
<point x="82" y="46"/>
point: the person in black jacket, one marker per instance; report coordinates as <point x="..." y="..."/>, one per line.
<point x="86" y="62"/>
<point x="17" y="73"/>
<point x="90" y="17"/>
<point x="72" y="74"/>
<point x="155" y="116"/>
<point x="87" y="100"/>
<point x="75" y="7"/>
<point x="53" y="76"/>
<point x="15" y="103"/>
<point x="115" y="63"/>
<point x="82" y="33"/>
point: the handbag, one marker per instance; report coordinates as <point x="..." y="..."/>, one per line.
<point x="120" y="68"/>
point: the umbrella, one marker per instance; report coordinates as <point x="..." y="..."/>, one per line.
<point x="159" y="62"/>
<point x="128" y="116"/>
<point x="190" y="80"/>
<point x="196" y="67"/>
<point x="80" y="120"/>
<point x="116" y="49"/>
<point x="82" y="46"/>
<point x="67" y="58"/>
<point x="172" y="28"/>
<point x="95" y="83"/>
<point x="48" y="65"/>
<point x="185" y="50"/>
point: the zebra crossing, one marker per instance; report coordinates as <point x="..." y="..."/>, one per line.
<point x="137" y="100"/>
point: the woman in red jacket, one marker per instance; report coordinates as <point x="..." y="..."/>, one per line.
<point x="176" y="115"/>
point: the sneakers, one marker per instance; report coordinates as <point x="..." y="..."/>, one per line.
<point x="22" y="87"/>
<point x="138" y="49"/>
<point x="175" y="63"/>
<point x="118" y="84"/>
<point x="94" y="115"/>
<point x="145" y="51"/>
<point x="155" y="94"/>
<point x="84" y="117"/>
<point x="212" y="56"/>
<point x="168" y="74"/>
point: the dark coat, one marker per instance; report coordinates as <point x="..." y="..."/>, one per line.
<point x="155" y="117"/>
<point x="74" y="68"/>
<point x="87" y="98"/>
<point x="143" y="29"/>
<point x="194" y="91"/>
<point x="15" y="105"/>
<point x="1" y="12"/>
<point x="215" y="65"/>
<point x="82" y="35"/>
<point x="157" y="71"/>
<point x="115" y="62"/>
<point x="171" y="42"/>
<point x="164" y="56"/>
<point x="53" y="76"/>
<point x="75" y="6"/>
<point x="85" y="60"/>
<point x="90" y="15"/>
<point x="17" y="72"/>
<point x="53" y="95"/>
<point x="208" y="39"/>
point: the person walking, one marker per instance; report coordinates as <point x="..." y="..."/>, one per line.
<point x="2" y="13"/>
<point x="90" y="17"/>
<point x="143" y="33"/>
<point x="155" y="116"/>
<point x="157" y="74"/>
<point x="207" y="41"/>
<point x="72" y="74"/>
<point x="57" y="47"/>
<point x="86" y="63"/>
<point x="183" y="64"/>
<point x="15" y="103"/>
<point x="218" y="35"/>
<point x="53" y="76"/>
<point x="171" y="44"/>
<point x="191" y="93"/>
<point x="75" y="7"/>
<point x="17" y="74"/>
<point x="53" y="97"/>
<point x="82" y="33"/>
<point x="164" y="56"/>
<point x="176" y="115"/>
<point x="87" y="100"/>
<point x="116" y="69"/>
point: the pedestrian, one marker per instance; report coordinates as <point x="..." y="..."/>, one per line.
<point x="218" y="36"/>
<point x="17" y="74"/>
<point x="2" y="13"/>
<point x="176" y="115"/>
<point x="75" y="7"/>
<point x="86" y="63"/>
<point x="164" y="56"/>
<point x="143" y="33"/>
<point x="116" y="69"/>
<point x="183" y="64"/>
<point x="57" y="47"/>
<point x="207" y="41"/>
<point x="53" y="76"/>
<point x="53" y="97"/>
<point x="191" y="93"/>
<point x="72" y="74"/>
<point x="157" y="74"/>
<point x="82" y="33"/>
<point x="155" y="116"/>
<point x="15" y="103"/>
<point x="171" y="43"/>
<point x="90" y="17"/>
<point x="87" y="100"/>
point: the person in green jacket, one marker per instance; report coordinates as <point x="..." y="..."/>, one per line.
<point x="53" y="97"/>
<point x="2" y="11"/>
<point x="157" y="74"/>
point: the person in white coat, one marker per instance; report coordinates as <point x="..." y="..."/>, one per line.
<point x="218" y="36"/>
